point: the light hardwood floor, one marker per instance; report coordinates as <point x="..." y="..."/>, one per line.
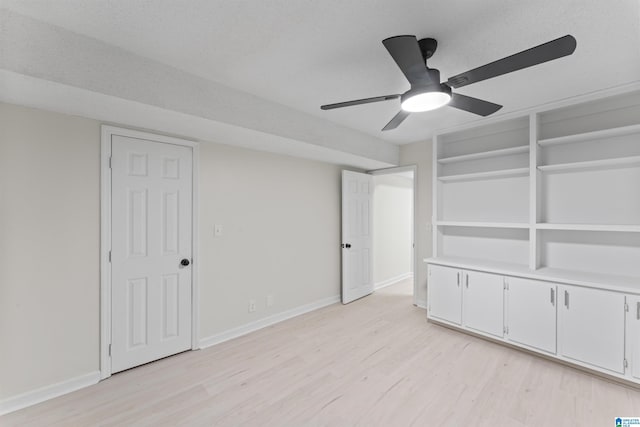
<point x="374" y="362"/>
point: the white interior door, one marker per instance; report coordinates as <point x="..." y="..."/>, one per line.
<point x="151" y="251"/>
<point x="357" y="253"/>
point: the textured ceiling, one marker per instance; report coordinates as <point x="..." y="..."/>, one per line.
<point x="304" y="53"/>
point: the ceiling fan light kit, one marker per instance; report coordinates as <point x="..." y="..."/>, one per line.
<point x="421" y="99"/>
<point x="428" y="93"/>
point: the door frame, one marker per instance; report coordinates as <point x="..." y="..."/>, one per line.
<point x="414" y="169"/>
<point x="107" y="132"/>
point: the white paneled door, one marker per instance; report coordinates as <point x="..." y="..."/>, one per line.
<point x="151" y="251"/>
<point x="357" y="253"/>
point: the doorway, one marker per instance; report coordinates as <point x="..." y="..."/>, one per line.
<point x="378" y="244"/>
<point x="393" y="227"/>
<point x="148" y="233"/>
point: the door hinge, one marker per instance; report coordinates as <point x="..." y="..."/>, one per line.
<point x="110" y="162"/>
<point x="109" y="350"/>
<point x="109" y="256"/>
<point x="626" y="364"/>
<point x="626" y="307"/>
<point x="506" y="285"/>
<point x="505" y="329"/>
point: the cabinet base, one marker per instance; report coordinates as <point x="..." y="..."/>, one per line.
<point x="549" y="357"/>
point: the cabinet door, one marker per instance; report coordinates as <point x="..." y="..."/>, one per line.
<point x="591" y="327"/>
<point x="531" y="313"/>
<point x="445" y="293"/>
<point x="633" y="335"/>
<point x="482" y="302"/>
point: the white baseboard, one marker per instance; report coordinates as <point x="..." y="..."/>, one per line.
<point x="267" y="321"/>
<point x="41" y="394"/>
<point x="392" y="280"/>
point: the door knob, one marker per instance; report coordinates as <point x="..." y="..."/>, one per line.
<point x="347" y="245"/>
<point x="185" y="262"/>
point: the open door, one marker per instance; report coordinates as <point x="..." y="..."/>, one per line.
<point x="357" y="254"/>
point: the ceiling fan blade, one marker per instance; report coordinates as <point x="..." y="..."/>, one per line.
<point x="359" y="101"/>
<point x="473" y="105"/>
<point x="397" y="119"/>
<point x="405" y="50"/>
<point x="536" y="55"/>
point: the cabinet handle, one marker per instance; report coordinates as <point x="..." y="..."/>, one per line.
<point x="458" y="279"/>
<point x="638" y="311"/>
<point x="566" y="299"/>
<point x="553" y="296"/>
<point x="467" y="281"/>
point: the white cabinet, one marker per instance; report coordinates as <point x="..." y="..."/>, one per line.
<point x="445" y="293"/>
<point x="633" y="336"/>
<point x="483" y="302"/>
<point x="531" y="313"/>
<point x="591" y="327"/>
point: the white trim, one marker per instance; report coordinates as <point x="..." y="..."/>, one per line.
<point x="267" y="321"/>
<point x="105" y="236"/>
<point x="414" y="169"/>
<point x="421" y="304"/>
<point x="392" y="280"/>
<point x="51" y="391"/>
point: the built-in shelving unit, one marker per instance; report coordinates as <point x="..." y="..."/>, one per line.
<point x="564" y="183"/>
<point x="551" y="202"/>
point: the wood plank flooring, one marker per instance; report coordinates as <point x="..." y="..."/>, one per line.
<point x="374" y="362"/>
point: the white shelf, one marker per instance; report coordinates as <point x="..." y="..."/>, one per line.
<point x="482" y="224"/>
<point x="579" y="278"/>
<point x="589" y="136"/>
<point x="504" y="173"/>
<point x="590" y="227"/>
<point x="592" y="164"/>
<point x="505" y="268"/>
<point x="485" y="154"/>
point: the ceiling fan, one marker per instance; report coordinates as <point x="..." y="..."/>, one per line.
<point x="427" y="93"/>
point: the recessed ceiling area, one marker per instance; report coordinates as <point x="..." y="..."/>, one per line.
<point x="302" y="53"/>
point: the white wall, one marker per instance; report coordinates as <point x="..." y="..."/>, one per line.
<point x="281" y="222"/>
<point x="281" y="219"/>
<point x="49" y="248"/>
<point x="420" y="154"/>
<point x="392" y="227"/>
